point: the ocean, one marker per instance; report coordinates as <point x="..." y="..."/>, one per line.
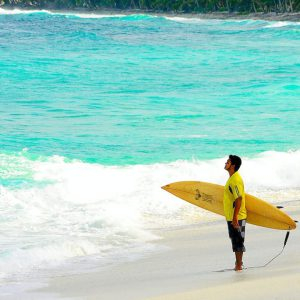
<point x="99" y="111"/>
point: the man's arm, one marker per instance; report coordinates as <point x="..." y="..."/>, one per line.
<point x="238" y="203"/>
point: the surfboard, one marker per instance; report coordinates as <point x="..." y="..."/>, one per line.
<point x="210" y="197"/>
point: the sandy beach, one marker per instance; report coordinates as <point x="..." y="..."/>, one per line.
<point x="191" y="266"/>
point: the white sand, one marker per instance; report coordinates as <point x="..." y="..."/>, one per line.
<point x="187" y="269"/>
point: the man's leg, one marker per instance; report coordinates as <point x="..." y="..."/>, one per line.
<point x="238" y="261"/>
<point x="237" y="240"/>
<point x="240" y="248"/>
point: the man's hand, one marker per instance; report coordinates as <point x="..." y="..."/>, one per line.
<point x="235" y="223"/>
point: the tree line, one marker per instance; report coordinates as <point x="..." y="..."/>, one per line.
<point x="184" y="6"/>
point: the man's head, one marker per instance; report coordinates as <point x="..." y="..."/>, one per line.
<point x="233" y="163"/>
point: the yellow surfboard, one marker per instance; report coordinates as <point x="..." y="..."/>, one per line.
<point x="210" y="197"/>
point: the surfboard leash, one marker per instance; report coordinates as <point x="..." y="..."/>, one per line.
<point x="262" y="266"/>
<point x="284" y="244"/>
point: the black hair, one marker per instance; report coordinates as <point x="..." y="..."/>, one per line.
<point x="236" y="161"/>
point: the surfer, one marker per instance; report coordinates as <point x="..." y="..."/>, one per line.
<point x="235" y="209"/>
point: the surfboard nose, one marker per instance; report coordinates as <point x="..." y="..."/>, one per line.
<point x="165" y="187"/>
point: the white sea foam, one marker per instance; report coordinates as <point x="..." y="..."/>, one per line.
<point x="72" y="14"/>
<point x="54" y="210"/>
<point x="280" y="24"/>
<point x="188" y="20"/>
<point x="17" y="11"/>
<point x="88" y="15"/>
<point x="248" y="23"/>
<point x="215" y="21"/>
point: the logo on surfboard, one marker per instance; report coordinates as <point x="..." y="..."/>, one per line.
<point x="205" y="197"/>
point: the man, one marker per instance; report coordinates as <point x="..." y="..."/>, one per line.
<point x="235" y="209"/>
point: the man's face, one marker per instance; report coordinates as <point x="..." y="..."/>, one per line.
<point x="227" y="164"/>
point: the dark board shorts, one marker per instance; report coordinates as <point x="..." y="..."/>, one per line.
<point x="237" y="236"/>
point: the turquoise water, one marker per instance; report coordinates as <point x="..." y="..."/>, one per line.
<point x="140" y="89"/>
<point x="98" y="112"/>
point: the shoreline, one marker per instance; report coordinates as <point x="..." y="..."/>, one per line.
<point x="191" y="267"/>
<point x="293" y="17"/>
<point x="192" y="264"/>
